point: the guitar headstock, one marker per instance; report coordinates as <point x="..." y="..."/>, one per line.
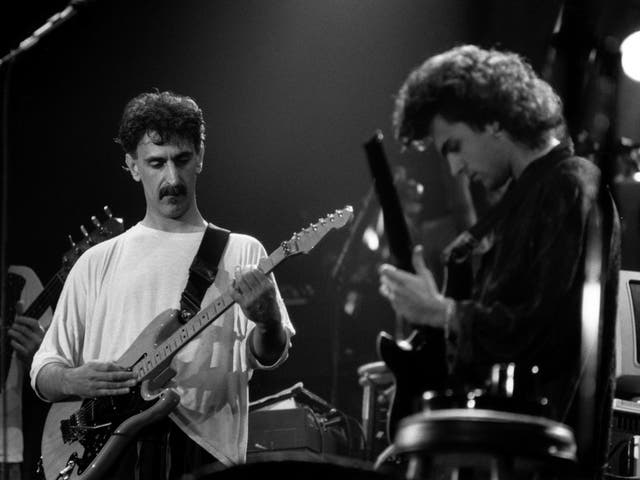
<point x="307" y="238"/>
<point x="102" y="231"/>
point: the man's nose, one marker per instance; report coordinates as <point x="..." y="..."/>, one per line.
<point x="171" y="173"/>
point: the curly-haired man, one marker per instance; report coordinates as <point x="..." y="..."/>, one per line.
<point x="494" y="120"/>
<point x="119" y="286"/>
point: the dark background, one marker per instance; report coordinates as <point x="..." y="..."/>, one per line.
<point x="290" y="90"/>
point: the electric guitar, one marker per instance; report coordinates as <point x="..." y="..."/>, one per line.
<point x="51" y="291"/>
<point x="417" y="361"/>
<point x="82" y="439"/>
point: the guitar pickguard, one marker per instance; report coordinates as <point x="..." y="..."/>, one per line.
<point x="95" y="421"/>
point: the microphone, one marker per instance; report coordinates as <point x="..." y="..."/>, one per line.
<point x="53" y="22"/>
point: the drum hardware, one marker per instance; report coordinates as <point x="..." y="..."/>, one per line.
<point x="377" y="390"/>
<point x="499" y="429"/>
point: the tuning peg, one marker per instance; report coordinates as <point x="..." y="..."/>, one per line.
<point x="73" y="244"/>
<point x="95" y="221"/>
<point x="84" y="231"/>
<point x="107" y="210"/>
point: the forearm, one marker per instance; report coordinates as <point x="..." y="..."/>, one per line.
<point x="52" y="382"/>
<point x="268" y="342"/>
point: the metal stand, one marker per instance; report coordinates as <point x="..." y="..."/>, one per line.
<point x="7" y="61"/>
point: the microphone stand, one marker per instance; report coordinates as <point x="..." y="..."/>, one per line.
<point x="56" y="20"/>
<point x="336" y="278"/>
<point x="360" y="216"/>
<point x="7" y="61"/>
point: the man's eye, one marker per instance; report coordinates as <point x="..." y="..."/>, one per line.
<point x="453" y="146"/>
<point x="450" y="146"/>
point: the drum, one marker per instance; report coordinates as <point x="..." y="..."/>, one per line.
<point x="483" y="443"/>
<point x="500" y="431"/>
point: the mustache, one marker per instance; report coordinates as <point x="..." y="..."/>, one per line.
<point x="173" y="190"/>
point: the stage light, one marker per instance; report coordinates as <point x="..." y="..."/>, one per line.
<point x="630" y="49"/>
<point x="371" y="239"/>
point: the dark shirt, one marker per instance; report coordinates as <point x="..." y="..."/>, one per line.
<point x="526" y="301"/>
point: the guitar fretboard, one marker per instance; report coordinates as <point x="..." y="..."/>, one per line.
<point x="49" y="295"/>
<point x="162" y="354"/>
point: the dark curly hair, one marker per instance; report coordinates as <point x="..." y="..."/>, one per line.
<point x="478" y="87"/>
<point x="168" y="114"/>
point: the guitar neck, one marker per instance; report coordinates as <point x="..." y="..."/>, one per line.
<point x="49" y="295"/>
<point x="153" y="361"/>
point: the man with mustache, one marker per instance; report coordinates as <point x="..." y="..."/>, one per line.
<point x="117" y="287"/>
<point x="494" y="120"/>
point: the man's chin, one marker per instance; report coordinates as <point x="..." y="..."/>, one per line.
<point x="174" y="210"/>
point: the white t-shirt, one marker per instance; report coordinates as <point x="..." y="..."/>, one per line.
<point x="114" y="291"/>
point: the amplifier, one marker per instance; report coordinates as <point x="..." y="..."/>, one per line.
<point x="626" y="416"/>
<point x="296" y="419"/>
<point x="293" y="429"/>
<point x="623" y="453"/>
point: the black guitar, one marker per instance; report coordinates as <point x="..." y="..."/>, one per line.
<point x="417" y="361"/>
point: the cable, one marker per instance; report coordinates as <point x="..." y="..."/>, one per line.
<point x="319" y="426"/>
<point x="387" y="453"/>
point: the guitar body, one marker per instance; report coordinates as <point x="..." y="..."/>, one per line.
<point x="418" y="363"/>
<point x="160" y="328"/>
<point x="88" y="453"/>
<point x="106" y="425"/>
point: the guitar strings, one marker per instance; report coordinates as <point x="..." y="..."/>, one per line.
<point x="50" y="292"/>
<point x="46" y="297"/>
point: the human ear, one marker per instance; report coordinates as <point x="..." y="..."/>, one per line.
<point x="133" y="167"/>
<point x="200" y="161"/>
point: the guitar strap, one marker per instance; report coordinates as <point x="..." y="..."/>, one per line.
<point x="203" y="270"/>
